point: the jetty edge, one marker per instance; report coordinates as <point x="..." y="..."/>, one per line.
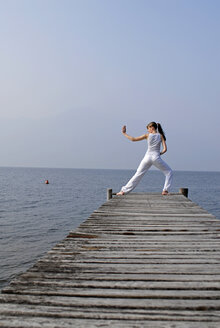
<point x="139" y="260"/>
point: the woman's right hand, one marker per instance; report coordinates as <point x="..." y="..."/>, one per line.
<point x="124" y="129"/>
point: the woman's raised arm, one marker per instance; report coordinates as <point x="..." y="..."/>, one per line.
<point x="144" y="136"/>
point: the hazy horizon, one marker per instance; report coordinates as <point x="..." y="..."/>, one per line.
<point x="98" y="168"/>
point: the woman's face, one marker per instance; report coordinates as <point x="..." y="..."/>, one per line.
<point x="151" y="129"/>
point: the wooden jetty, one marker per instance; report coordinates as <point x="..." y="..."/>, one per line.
<point x="140" y="260"/>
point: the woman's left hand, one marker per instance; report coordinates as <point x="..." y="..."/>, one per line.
<point x="124" y="129"/>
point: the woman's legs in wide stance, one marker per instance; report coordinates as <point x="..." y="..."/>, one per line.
<point x="143" y="168"/>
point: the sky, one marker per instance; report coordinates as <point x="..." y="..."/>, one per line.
<point x="73" y="72"/>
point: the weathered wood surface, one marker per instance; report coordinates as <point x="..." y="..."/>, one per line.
<point x="140" y="260"/>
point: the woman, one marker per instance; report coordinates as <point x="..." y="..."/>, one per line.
<point x="152" y="157"/>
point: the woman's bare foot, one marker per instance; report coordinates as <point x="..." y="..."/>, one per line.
<point x="121" y="193"/>
<point x="164" y="192"/>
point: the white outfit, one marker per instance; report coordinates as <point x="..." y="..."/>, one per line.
<point x="152" y="157"/>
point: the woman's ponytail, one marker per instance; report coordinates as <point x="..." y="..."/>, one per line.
<point x="160" y="130"/>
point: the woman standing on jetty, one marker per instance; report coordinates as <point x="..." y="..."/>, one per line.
<point x="152" y="157"/>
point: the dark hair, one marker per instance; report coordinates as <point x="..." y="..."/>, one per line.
<point x="160" y="130"/>
<point x="157" y="126"/>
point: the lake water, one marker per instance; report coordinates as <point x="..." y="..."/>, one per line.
<point x="35" y="216"/>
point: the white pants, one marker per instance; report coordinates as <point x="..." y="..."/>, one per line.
<point x="149" y="160"/>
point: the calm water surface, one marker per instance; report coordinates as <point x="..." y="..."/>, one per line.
<point x="35" y="216"/>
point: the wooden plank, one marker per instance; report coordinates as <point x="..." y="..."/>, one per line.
<point x="127" y="277"/>
<point x="102" y="313"/>
<point x="127" y="260"/>
<point x="124" y="284"/>
<point x="92" y="252"/>
<point x="187" y="294"/>
<point x="113" y="302"/>
<point x="29" y="322"/>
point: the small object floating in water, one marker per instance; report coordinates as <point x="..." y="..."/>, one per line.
<point x="46" y="182"/>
